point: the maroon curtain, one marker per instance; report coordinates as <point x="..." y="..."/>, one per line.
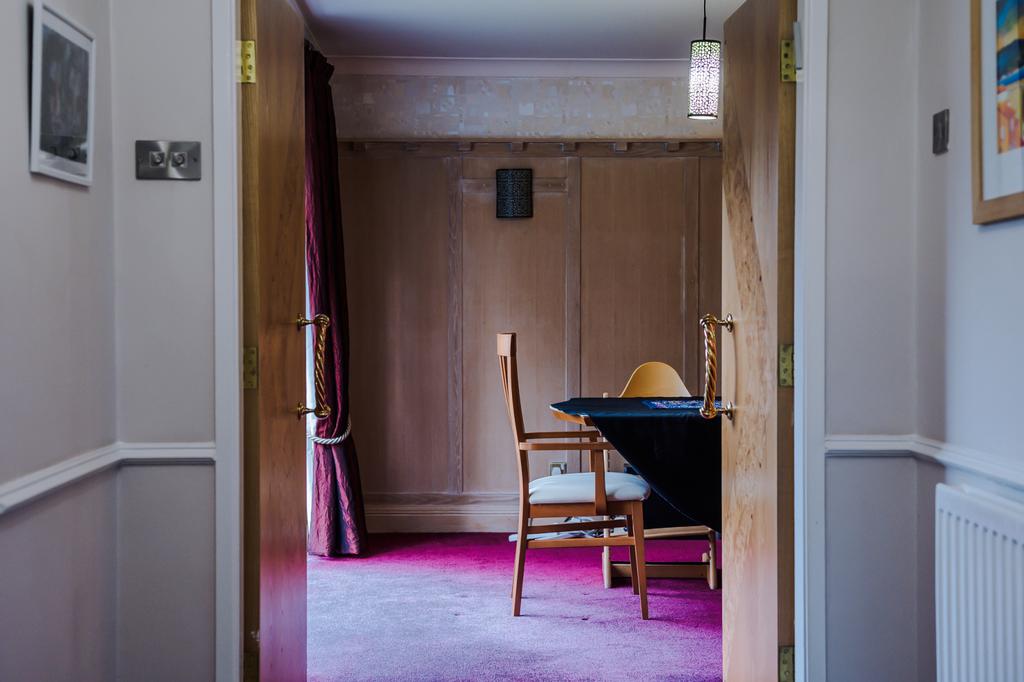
<point x="337" y="526"/>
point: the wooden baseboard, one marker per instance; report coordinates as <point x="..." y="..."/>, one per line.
<point x="442" y="512"/>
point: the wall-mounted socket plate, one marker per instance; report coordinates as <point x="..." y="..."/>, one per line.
<point x="165" y="160"/>
<point x="558" y="468"/>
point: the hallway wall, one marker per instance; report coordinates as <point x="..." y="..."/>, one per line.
<point x="165" y="369"/>
<point x="969" y="278"/>
<point x="164" y="230"/>
<point x="870" y="343"/>
<point x="923" y="328"/>
<point x="107" y="349"/>
<point x="57" y="392"/>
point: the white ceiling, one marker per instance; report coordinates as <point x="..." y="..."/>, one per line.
<point x="513" y="29"/>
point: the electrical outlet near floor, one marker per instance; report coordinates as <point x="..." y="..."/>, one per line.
<point x="558" y="468"/>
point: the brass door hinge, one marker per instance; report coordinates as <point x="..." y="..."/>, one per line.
<point x="785" y="365"/>
<point x="246" y="60"/>
<point x="787" y="669"/>
<point x="787" y="61"/>
<point x="250" y="368"/>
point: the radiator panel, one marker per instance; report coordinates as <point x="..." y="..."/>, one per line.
<point x="979" y="587"/>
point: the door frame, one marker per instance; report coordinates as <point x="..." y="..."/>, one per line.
<point x="227" y="308"/>
<point x="809" y="340"/>
<point x="809" y="409"/>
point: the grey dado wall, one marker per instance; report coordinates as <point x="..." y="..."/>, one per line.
<point x="165" y="587"/>
<point x="400" y="107"/>
<point x="872" y="569"/>
<point x="880" y="558"/>
<point x="106" y="297"/>
<point x="58" y="591"/>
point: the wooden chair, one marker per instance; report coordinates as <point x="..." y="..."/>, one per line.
<point x="654" y="380"/>
<point x="660" y="380"/>
<point x="596" y="493"/>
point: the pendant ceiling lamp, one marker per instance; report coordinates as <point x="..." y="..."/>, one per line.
<point x="705" y="74"/>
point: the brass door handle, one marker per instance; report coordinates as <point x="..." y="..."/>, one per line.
<point x="709" y="323"/>
<point x="322" y="409"/>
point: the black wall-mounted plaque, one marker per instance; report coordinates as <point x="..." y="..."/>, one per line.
<point x="515" y="192"/>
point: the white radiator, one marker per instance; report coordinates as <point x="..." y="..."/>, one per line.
<point x="979" y="587"/>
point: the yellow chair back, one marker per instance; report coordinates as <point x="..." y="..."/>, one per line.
<point x="654" y="380"/>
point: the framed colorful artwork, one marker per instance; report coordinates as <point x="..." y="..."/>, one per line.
<point x="63" y="94"/>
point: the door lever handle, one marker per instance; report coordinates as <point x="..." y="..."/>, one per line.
<point x="709" y="323"/>
<point x="322" y="409"/>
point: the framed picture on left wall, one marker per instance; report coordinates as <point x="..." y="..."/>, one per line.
<point x="63" y="96"/>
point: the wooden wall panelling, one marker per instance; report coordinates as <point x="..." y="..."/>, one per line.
<point x="534" y="148"/>
<point x="639" y="218"/>
<point x="514" y="279"/>
<point x="710" y="295"/>
<point x="692" y="367"/>
<point x="398" y="236"/>
<point x="482" y="168"/>
<point x="573" y="285"/>
<point x="422" y="235"/>
<point x="640" y="250"/>
<point x="453" y="166"/>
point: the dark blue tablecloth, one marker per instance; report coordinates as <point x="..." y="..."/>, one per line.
<point x="676" y="450"/>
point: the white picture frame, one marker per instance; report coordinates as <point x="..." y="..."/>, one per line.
<point x="63" y="97"/>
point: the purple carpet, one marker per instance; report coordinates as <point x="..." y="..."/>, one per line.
<point x="438" y="607"/>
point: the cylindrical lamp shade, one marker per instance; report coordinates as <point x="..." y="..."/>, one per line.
<point x="515" y="192"/>
<point x="705" y="72"/>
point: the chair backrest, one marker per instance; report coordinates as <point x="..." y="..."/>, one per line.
<point x="510" y="382"/>
<point x="510" y="387"/>
<point x="654" y="380"/>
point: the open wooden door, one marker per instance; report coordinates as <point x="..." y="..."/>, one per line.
<point x="757" y="290"/>
<point x="273" y="266"/>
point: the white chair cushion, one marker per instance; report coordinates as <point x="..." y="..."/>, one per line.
<point x="574" y="488"/>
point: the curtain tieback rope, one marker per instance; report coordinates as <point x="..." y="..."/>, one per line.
<point x="333" y="441"/>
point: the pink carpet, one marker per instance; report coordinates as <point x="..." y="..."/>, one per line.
<point x="438" y="607"/>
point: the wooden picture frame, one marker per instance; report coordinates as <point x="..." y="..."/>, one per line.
<point x="63" y="97"/>
<point x="997" y="117"/>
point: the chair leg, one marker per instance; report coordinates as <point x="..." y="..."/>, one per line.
<point x="517" y="578"/>
<point x="712" y="562"/>
<point x="633" y="579"/>
<point x="641" y="562"/>
<point x="606" y="564"/>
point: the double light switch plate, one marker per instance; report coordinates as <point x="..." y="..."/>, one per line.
<point x="165" y="160"/>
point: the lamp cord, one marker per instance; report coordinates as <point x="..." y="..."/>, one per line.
<point x="705" y="35"/>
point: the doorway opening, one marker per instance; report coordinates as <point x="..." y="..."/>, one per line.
<point x="615" y="267"/>
<point x="607" y="272"/>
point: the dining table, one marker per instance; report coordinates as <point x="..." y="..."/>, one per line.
<point x="667" y="441"/>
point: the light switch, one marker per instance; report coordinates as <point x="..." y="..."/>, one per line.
<point x="165" y="160"/>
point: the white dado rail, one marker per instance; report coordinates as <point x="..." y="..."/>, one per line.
<point x="29" y="487"/>
<point x="997" y="468"/>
